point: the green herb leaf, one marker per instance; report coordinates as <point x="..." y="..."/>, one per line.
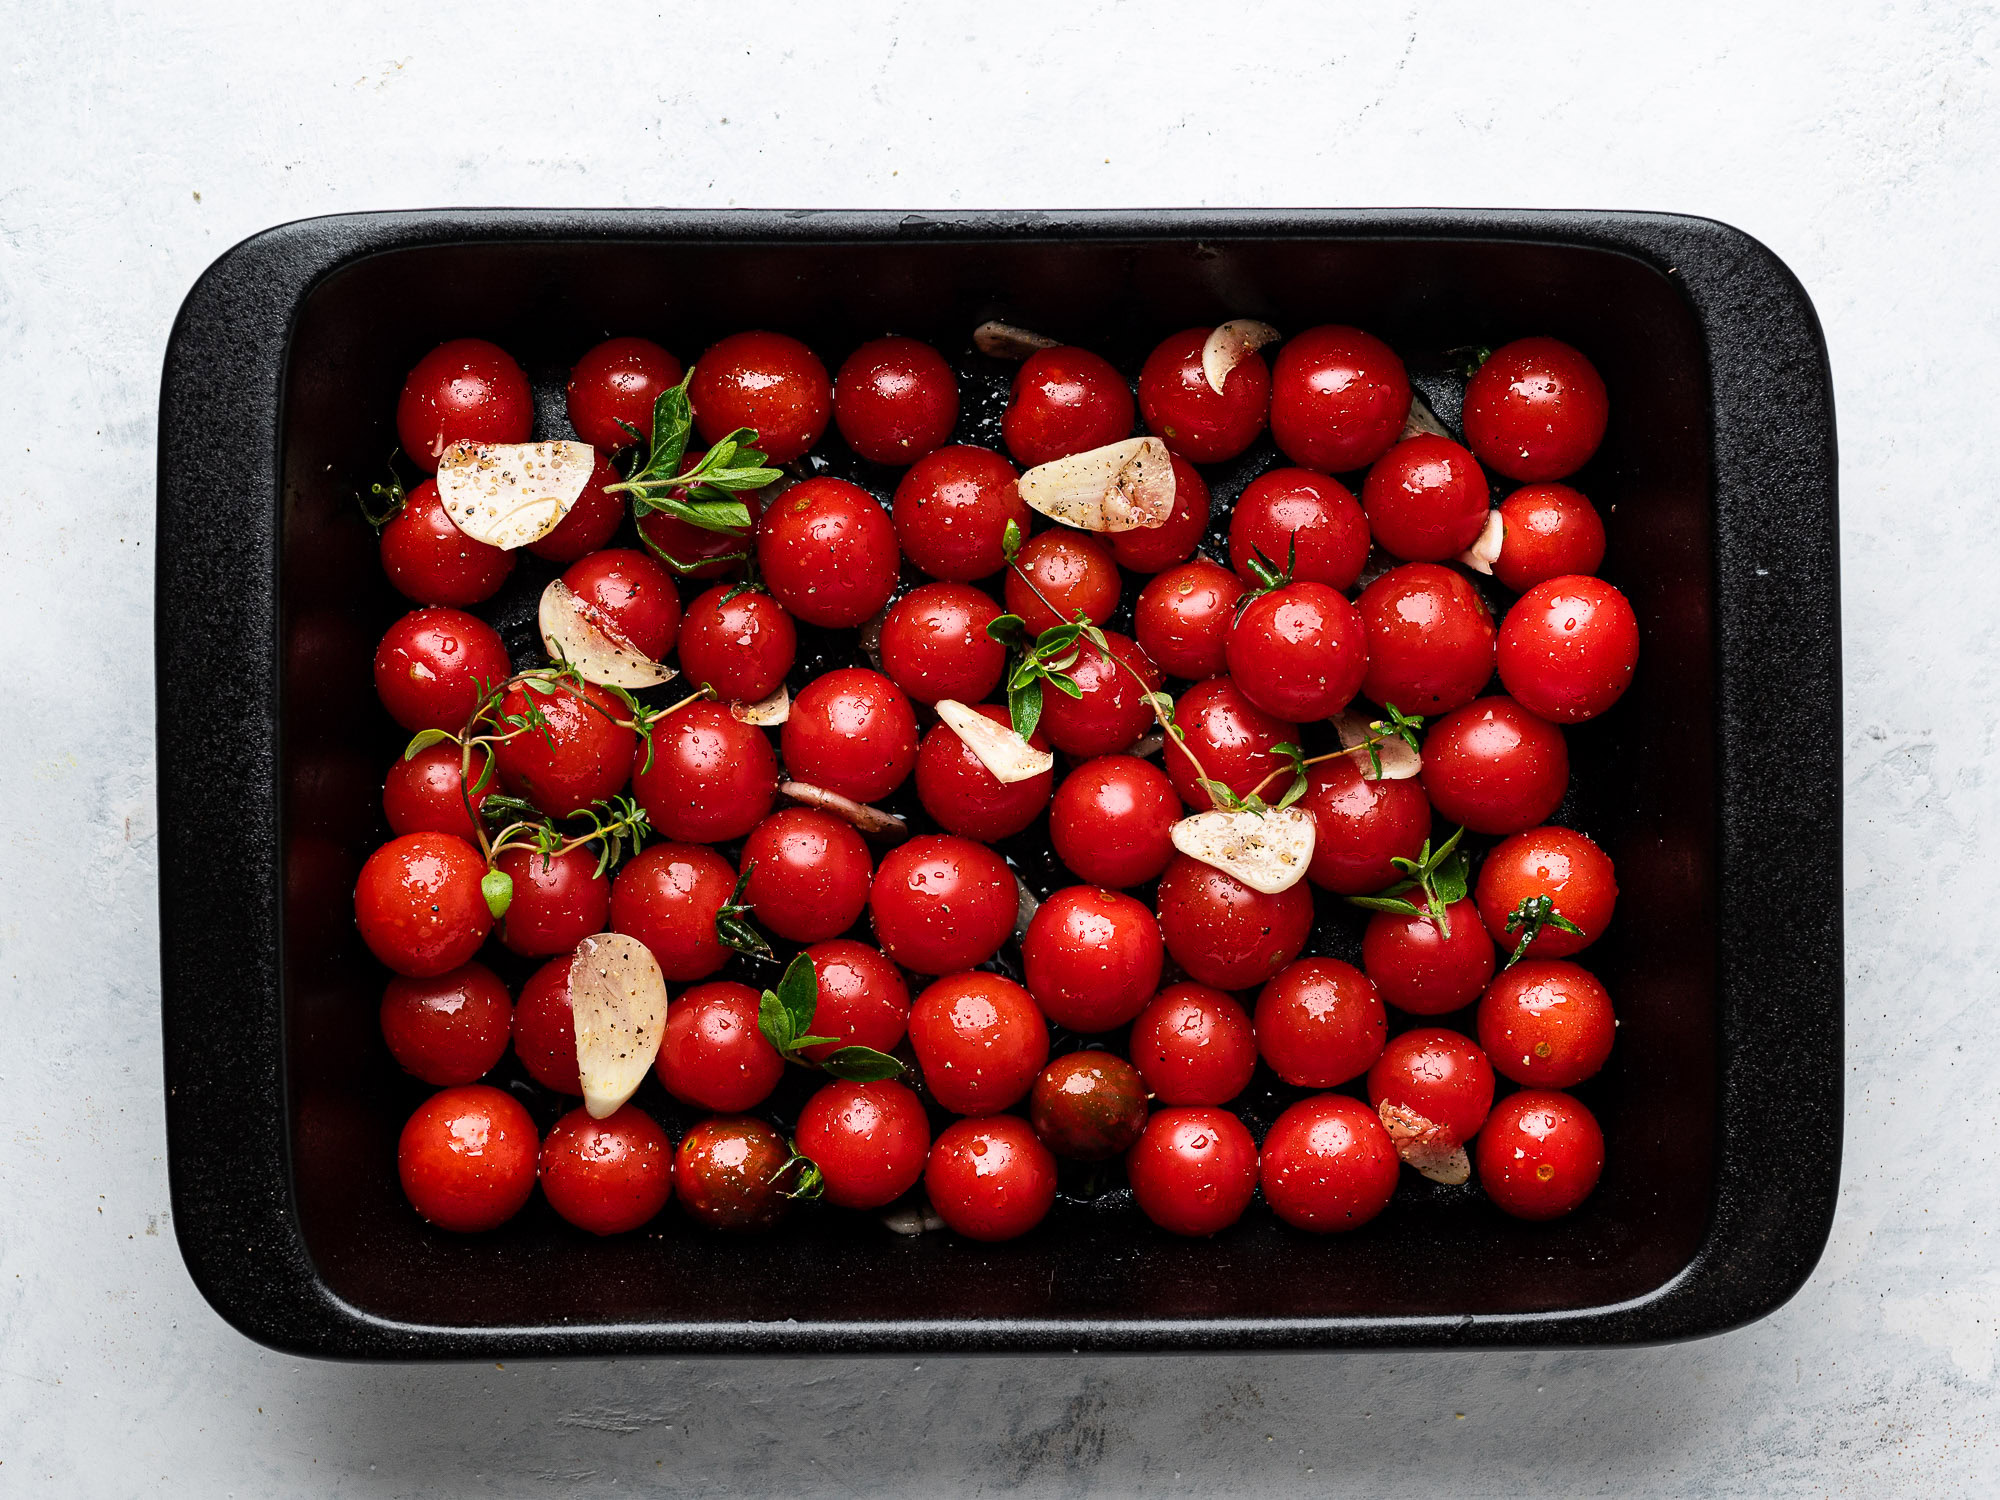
<point x="1392" y="904"/>
<point x="862" y="1065"/>
<point x="423" y="739"/>
<point x="1301" y="778"/>
<point x="700" y="494"/>
<point x="1530" y="917"/>
<point x="775" y="1022"/>
<point x="1024" y="706"/>
<point x="497" y="886"/>
<point x="810" y="1183"/>
<point x="1010" y="541"/>
<point x="734" y="929"/>
<point x="1006" y="628"/>
<point x="798" y="992"/>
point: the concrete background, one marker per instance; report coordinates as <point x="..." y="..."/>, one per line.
<point x="138" y="142"/>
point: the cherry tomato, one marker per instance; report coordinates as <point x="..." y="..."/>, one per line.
<point x="418" y="903"/>
<point x="1112" y="820"/>
<point x="1225" y="934"/>
<point x="1113" y="711"/>
<point x="592" y="520"/>
<point x="1361" y="826"/>
<point x="1561" y="864"/>
<point x="1298" y="652"/>
<point x="616" y="385"/>
<point x="1339" y="398"/>
<point x="1430" y="639"/>
<point x="629" y="597"/>
<point x="1187" y="413"/>
<point x="942" y="903"/>
<point x="463" y="391"/>
<point x="1568" y="647"/>
<point x="1420" y="970"/>
<point x="979" y="1040"/>
<point x="433" y="664"/>
<point x="967" y="799"/>
<point x="1301" y="520"/>
<point x="1319" y="1023"/>
<point x="1194" y="1170"/>
<point x="1194" y="1045"/>
<point x="895" y="400"/>
<point x="828" y="552"/>
<point x="1073" y="571"/>
<point x="853" y="732"/>
<point x="1182" y="618"/>
<point x="426" y="793"/>
<point x="713" y="1055"/>
<point x="869" y="1141"/>
<point x="712" y="776"/>
<point x="808" y="874"/>
<point x="1438" y="1074"/>
<point x="1088" y="1106"/>
<point x="1425" y="499"/>
<point x="467" y="1158"/>
<point x="765" y="381"/>
<point x="1328" y="1165"/>
<point x="559" y="900"/>
<point x="1495" y="767"/>
<point x="545" y="1028"/>
<point x="667" y="898"/>
<point x="581" y="753"/>
<point x="1230" y="737"/>
<point x="1092" y="958"/>
<point x="729" y="1174"/>
<point x="1549" y="530"/>
<point x="697" y="551"/>
<point x="935" y="645"/>
<point x="448" y="1029"/>
<point x="863" y="1001"/>
<point x="1065" y="401"/>
<point x="742" y="646"/>
<point x="607" y="1176"/>
<point x="1548" y="1024"/>
<point x="952" y="509"/>
<point x="1151" y="548"/>
<point x="1535" y="410"/>
<point x="1540" y="1154"/>
<point x="990" y="1179"/>
<point x="431" y="561"/>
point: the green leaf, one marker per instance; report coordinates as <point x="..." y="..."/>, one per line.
<point x="497" y="886"/>
<point x="775" y="1022"/>
<point x="810" y="1183"/>
<point x="862" y="1065"/>
<point x="709" y="515"/>
<point x="1392" y="904"/>
<point x="1010" y="541"/>
<point x="1452" y="879"/>
<point x="1063" y="683"/>
<point x="734" y="929"/>
<point x="804" y="1042"/>
<point x="798" y="992"/>
<point x="1004" y="628"/>
<point x="673" y="420"/>
<point x="423" y="739"/>
<point x="1024" y="707"/>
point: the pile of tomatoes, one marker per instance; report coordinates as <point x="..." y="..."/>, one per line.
<point x="1115" y="1006"/>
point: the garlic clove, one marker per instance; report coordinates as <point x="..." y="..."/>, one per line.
<point x="1226" y="347"/>
<point x="1268" y="851"/>
<point x="618" y="999"/>
<point x="1399" y="761"/>
<point x="999" y="340"/>
<point x="510" y="494"/>
<point x="765" y="712"/>
<point x="996" y="747"/>
<point x="1126" y="486"/>
<point x="870" y="820"/>
<point x="1485" y="549"/>
<point x="569" y="634"/>
<point x="1426" y="1145"/>
<point x="1422" y="421"/>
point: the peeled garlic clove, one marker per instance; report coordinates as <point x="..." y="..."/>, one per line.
<point x="619" y="1001"/>
<point x="570" y="634"/>
<point x="1124" y="486"/>
<point x="765" y="711"/>
<point x="1422" y="421"/>
<point x="996" y="747"/>
<point x="870" y="820"/>
<point x="1425" y="1145"/>
<point x="1399" y="761"/>
<point x="1268" y="851"/>
<point x="1226" y="347"/>
<point x="999" y="340"/>
<point x="510" y="494"/>
<point x="1485" y="549"/>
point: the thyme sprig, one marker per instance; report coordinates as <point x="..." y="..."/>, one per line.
<point x="1529" y="918"/>
<point x="1438" y="877"/>
<point x="702" y="495"/>
<point x="734" y="928"/>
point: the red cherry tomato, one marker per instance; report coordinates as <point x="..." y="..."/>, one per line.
<point x="1328" y="1165"/>
<point x="1568" y="647"/>
<point x="1419" y="969"/>
<point x="431" y="561"/>
<point x="629" y="597"/>
<point x="767" y="382"/>
<point x="1113" y="711"/>
<point x="1225" y="934"/>
<point x="463" y="391"/>
<point x="448" y="1029"/>
<point x="616" y="385"/>
<point x="712" y="776"/>
<point x="979" y="1040"/>
<point x="1230" y="737"/>
<point x="1547" y="1024"/>
<point x="1301" y="520"/>
<point x="729" y="1174"/>
<point x="1194" y="1045"/>
<point x="426" y="793"/>
<point x="1188" y="414"/>
<point x="1495" y="767"/>
<point x="1561" y="864"/>
<point x="432" y="665"/>
<point x="1088" y="1106"/>
<point x="1182" y="618"/>
<point x="667" y="898"/>
<point x="1430" y="639"/>
<point x="1540" y="1154"/>
<point x="1319" y="1023"/>
<point x="1298" y="652"/>
<point x="1535" y="410"/>
<point x="967" y="799"/>
<point x="581" y="753"/>
<point x="559" y="900"/>
<point x="1425" y="499"/>
<point x="942" y="903"/>
<point x="1361" y="826"/>
<point x="1549" y="530"/>
<point x="935" y="645"/>
<point x="592" y="520"/>
<point x="545" y="1028"/>
<point x="808" y="874"/>
<point x="1438" y="1074"/>
<point x="853" y="732"/>
<point x="467" y="1158"/>
<point x="697" y="551"/>
<point x="1073" y="571"/>
<point x="1092" y="958"/>
<point x="607" y="1176"/>
<point x="952" y="509"/>
<point x="418" y="903"/>
<point x="713" y="1055"/>
<point x="869" y="1141"/>
<point x="863" y="1001"/>
<point x="1065" y="401"/>
<point x="1194" y="1170"/>
<point x="895" y="400"/>
<point x="990" y="1179"/>
<point x="1112" y="820"/>
<point x="1339" y="398"/>
<point x="742" y="646"/>
<point x="828" y="552"/>
<point x="1151" y="548"/>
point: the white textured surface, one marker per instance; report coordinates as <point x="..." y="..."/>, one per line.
<point x="1859" y="141"/>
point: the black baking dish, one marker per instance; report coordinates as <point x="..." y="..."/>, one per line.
<point x="1715" y="785"/>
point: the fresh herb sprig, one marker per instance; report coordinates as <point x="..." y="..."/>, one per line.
<point x="704" y="495"/>
<point x="734" y="927"/>
<point x="1529" y="918"/>
<point x="785" y="1016"/>
<point x="1046" y="659"/>
<point x="1437" y="877"/>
